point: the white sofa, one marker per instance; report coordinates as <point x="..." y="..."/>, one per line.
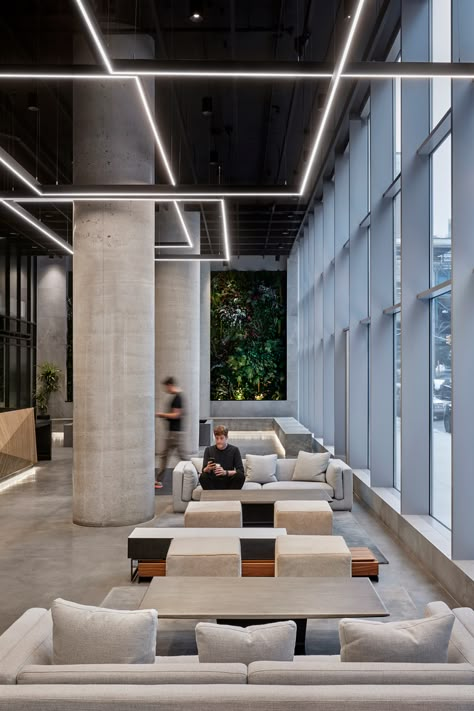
<point x="29" y="680"/>
<point x="186" y="485"/>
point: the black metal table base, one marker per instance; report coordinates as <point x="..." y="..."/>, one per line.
<point x="300" y="644"/>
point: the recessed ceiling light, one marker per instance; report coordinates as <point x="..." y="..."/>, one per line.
<point x="196" y="13"/>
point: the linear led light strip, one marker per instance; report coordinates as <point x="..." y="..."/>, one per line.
<point x="332" y="94"/>
<point x="37" y="225"/>
<point x="211" y="259"/>
<point x="20" y="176"/>
<point x="96" y="36"/>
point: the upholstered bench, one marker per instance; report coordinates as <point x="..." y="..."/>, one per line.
<point x="312" y="557"/>
<point x="213" y="514"/>
<point x="218" y="557"/>
<point x="312" y="518"/>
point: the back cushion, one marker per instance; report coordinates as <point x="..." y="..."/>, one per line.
<point x="311" y="467"/>
<point x="197" y="461"/>
<point x="285" y="469"/>
<point x="261" y="468"/>
<point x="161" y="673"/>
<point x="424" y="640"/>
<point x="83" y="634"/>
<point x="229" y="643"/>
<point x="334" y="478"/>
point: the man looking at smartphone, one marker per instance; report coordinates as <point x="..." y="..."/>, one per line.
<point x="222" y="464"/>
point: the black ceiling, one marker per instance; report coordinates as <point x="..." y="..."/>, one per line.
<point x="259" y="133"/>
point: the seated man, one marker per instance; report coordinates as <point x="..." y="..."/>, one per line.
<point x="222" y="464"/>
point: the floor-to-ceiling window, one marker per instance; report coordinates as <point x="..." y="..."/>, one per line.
<point x="397" y="364"/>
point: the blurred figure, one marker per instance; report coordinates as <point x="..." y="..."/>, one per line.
<point x="174" y="437"/>
<point x="222" y="464"/>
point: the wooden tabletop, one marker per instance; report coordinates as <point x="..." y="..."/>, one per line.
<point x="264" y="496"/>
<point x="262" y="598"/>
<point x="248" y="532"/>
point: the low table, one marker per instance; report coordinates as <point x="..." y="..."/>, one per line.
<point x="247" y="601"/>
<point x="149" y="547"/>
<point x="257" y="505"/>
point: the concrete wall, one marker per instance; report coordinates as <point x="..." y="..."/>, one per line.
<point x="51" y="324"/>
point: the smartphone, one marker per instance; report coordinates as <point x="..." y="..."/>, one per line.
<point x="211" y="460"/>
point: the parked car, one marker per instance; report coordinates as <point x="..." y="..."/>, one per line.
<point x="447" y="417"/>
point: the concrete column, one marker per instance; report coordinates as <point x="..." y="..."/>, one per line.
<point x="205" y="360"/>
<point x="51" y="320"/>
<point x="177" y="324"/>
<point x="113" y="303"/>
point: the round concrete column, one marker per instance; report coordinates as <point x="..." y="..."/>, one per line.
<point x="113" y="316"/>
<point x="177" y="324"/>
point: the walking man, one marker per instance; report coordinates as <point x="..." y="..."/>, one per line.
<point x="174" y="437"/>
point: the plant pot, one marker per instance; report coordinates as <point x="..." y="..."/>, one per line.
<point x="43" y="428"/>
<point x="43" y="417"/>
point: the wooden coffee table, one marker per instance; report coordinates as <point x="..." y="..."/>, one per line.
<point x="257" y="504"/>
<point x="247" y="601"/>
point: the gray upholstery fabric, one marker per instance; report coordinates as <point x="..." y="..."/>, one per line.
<point x="334" y="478"/>
<point x="261" y="468"/>
<point x="311" y="467"/>
<point x="292" y="485"/>
<point x="27" y="641"/>
<point x="197" y="462"/>
<point x="226" y="643"/>
<point x="425" y="640"/>
<point x="321" y="673"/>
<point x="177" y="673"/>
<point x="232" y="697"/>
<point x="83" y="634"/>
<point x="190" y="480"/>
<point x="461" y="643"/>
<point x="204" y="556"/>
<point x="213" y="514"/>
<point x="312" y="556"/>
<point x="303" y="517"/>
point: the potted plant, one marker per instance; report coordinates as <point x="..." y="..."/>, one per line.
<point x="48" y="381"/>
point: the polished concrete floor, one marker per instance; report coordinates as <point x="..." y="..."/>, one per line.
<point x="43" y="555"/>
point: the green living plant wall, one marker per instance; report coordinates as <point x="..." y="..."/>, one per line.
<point x="248" y="335"/>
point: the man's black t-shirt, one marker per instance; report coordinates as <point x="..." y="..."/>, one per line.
<point x="229" y="458"/>
<point x="176" y="404"/>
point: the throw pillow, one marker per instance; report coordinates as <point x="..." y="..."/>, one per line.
<point x="425" y="640"/>
<point x="311" y="467"/>
<point x="261" y="468"/>
<point x="226" y="643"/>
<point x="190" y="481"/>
<point x="334" y="478"/>
<point x="197" y="461"/>
<point x="96" y="635"/>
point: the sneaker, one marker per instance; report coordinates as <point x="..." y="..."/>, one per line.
<point x="158" y="485"/>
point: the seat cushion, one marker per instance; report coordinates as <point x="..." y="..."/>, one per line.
<point x="311" y="467"/>
<point x="84" y="634"/>
<point x="226" y="643"/>
<point x="311" y="485"/>
<point x="204" y="556"/>
<point x="424" y="640"/>
<point x="261" y="468"/>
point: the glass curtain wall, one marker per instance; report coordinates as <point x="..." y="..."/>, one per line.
<point x="440" y="52"/>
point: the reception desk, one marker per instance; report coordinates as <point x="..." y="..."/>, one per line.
<point x="17" y="441"/>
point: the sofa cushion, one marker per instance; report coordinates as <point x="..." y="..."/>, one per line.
<point x="334" y="478"/>
<point x="226" y="643"/>
<point x="83" y="634"/>
<point x="261" y="468"/>
<point x="311" y="467"/>
<point x="285" y="469"/>
<point x="292" y="485"/>
<point x="425" y="640"/>
<point x="162" y="673"/>
<point x="328" y="673"/>
<point x="196" y="496"/>
<point x="190" y="481"/>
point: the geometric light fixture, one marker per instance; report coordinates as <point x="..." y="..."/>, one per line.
<point x="39" y="226"/>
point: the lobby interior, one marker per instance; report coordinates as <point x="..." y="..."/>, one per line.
<point x="147" y="147"/>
